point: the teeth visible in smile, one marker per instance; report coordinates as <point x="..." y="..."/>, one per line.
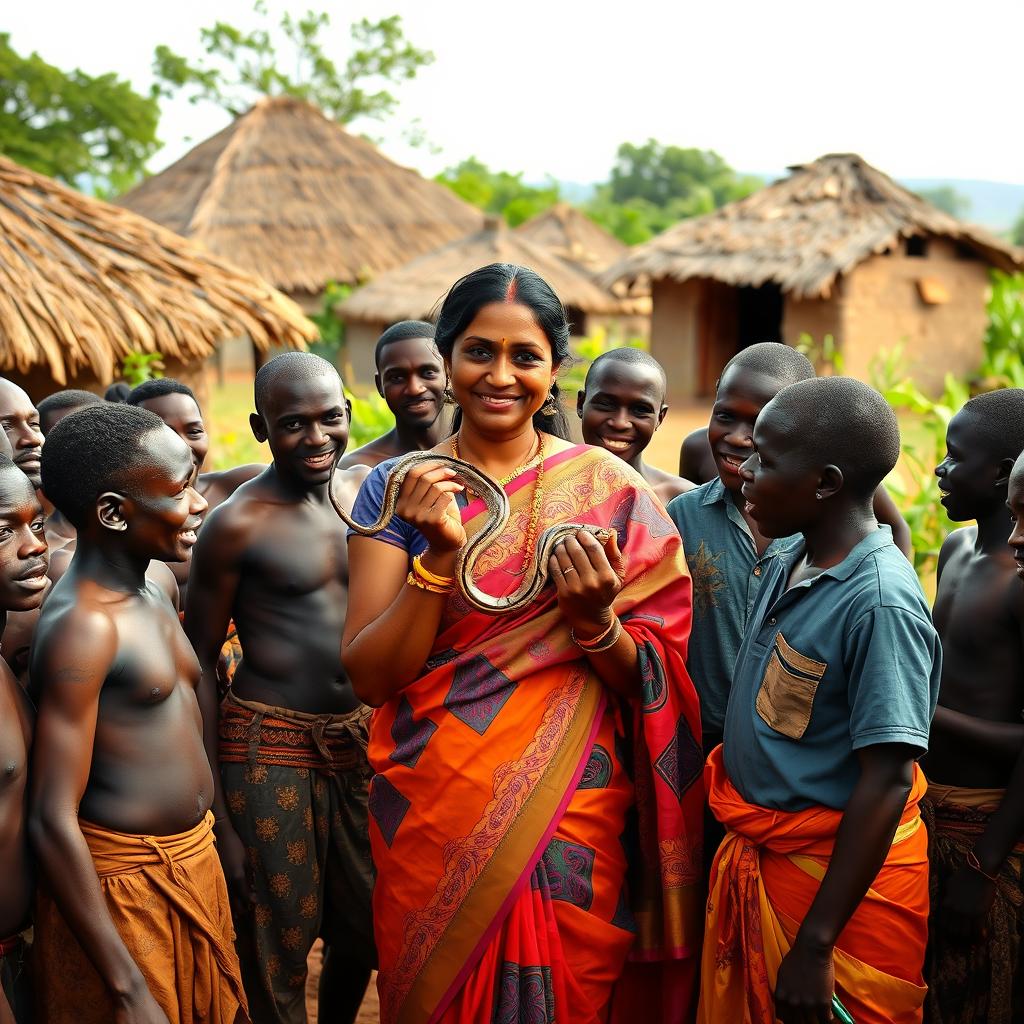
<point x="616" y="445"/>
<point x="492" y="400"/>
<point x="317" y="459"/>
<point x="733" y="461"/>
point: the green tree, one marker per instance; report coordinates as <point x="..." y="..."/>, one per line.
<point x="946" y="198"/>
<point x="499" y="191"/>
<point x="92" y="131"/>
<point x="243" y="66"/>
<point x="1017" y="231"/>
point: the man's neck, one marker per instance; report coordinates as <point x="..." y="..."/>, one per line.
<point x="297" y="490"/>
<point x="109" y="565"/>
<point x="417" y="439"/>
<point x="831" y="539"/>
<point x="993" y="531"/>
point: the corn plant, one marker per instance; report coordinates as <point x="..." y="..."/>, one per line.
<point x="585" y="351"/>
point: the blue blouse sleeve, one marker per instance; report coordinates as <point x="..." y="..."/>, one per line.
<point x="367" y="508"/>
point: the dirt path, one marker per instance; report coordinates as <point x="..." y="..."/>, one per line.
<point x="370" y="1012"/>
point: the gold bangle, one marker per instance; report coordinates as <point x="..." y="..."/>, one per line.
<point x="430" y="577"/>
<point x="599" y="643"/>
<point x="431" y="588"/>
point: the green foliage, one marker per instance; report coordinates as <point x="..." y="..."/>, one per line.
<point x="1003" y="362"/>
<point x="585" y="351"/>
<point x="331" y="343"/>
<point x="923" y="422"/>
<point x="243" y="66"/>
<point x="1017" y="231"/>
<point x="94" y="131"/>
<point x="654" y="186"/>
<point x="140" y="366"/>
<point x="371" y="418"/>
<point x="825" y="355"/>
<point x="498" y="191"/>
<point x="946" y="198"/>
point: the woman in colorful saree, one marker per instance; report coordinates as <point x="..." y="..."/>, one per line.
<point x="522" y="760"/>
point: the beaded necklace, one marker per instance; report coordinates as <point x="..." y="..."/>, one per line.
<point x="538" y="494"/>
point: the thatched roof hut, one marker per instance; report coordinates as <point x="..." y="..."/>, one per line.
<point x="837" y="247"/>
<point x="412" y="292"/>
<point x="290" y="195"/>
<point x="83" y="283"/>
<point x="574" y="237"/>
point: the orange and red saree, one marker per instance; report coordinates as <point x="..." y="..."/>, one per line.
<point x="763" y="880"/>
<point x="503" y="805"/>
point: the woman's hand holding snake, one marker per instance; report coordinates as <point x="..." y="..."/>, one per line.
<point x="426" y="501"/>
<point x="587" y="575"/>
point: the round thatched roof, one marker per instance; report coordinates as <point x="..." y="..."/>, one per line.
<point x="412" y="291"/>
<point x="802" y="232"/>
<point x="290" y="195"/>
<point x="572" y="235"/>
<point x="83" y="283"/>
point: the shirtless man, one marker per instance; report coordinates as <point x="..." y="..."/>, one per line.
<point x="20" y="421"/>
<point x="410" y="378"/>
<point x="292" y="734"/>
<point x="621" y="405"/>
<point x="977" y="733"/>
<point x="176" y="405"/>
<point x="22" y="587"/>
<point x="133" y="924"/>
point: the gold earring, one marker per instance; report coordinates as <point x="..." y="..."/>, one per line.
<point x="448" y="396"/>
<point x="550" y="407"/>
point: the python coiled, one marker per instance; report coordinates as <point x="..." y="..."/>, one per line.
<point x="496" y="502"/>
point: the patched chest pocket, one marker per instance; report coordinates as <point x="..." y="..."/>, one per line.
<point x="786" y="696"/>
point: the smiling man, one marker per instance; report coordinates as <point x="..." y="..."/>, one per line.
<point x="410" y="378"/>
<point x="133" y="921"/>
<point x="20" y="420"/>
<point x="621" y="405"/>
<point x="292" y="810"/>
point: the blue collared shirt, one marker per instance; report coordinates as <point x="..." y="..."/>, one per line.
<point x="843" y="661"/>
<point x="727" y="575"/>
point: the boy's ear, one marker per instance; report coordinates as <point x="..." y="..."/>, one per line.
<point x="662" y="415"/>
<point x="110" y="510"/>
<point x="258" y="427"/>
<point x="830" y="483"/>
<point x="581" y="397"/>
<point x="378" y="385"/>
<point x="1004" y="471"/>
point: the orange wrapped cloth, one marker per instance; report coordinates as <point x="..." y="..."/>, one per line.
<point x="513" y="788"/>
<point x="169" y="903"/>
<point x="764" y="878"/>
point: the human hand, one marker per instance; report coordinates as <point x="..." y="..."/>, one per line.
<point x="231" y="851"/>
<point x="805" y="986"/>
<point x="139" y="1007"/>
<point x="426" y="501"/>
<point x="966" y="903"/>
<point x="587" y="576"/>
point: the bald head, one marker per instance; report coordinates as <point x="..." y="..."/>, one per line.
<point x="289" y="371"/>
<point x="841" y="422"/>
<point x="772" y="359"/>
<point x="635" y="357"/>
<point x="20" y="420"/>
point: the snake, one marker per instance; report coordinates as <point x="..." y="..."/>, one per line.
<point x="496" y="501"/>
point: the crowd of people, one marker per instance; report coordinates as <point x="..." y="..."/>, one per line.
<point x="728" y="766"/>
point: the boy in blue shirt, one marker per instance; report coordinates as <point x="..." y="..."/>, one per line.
<point x="820" y="888"/>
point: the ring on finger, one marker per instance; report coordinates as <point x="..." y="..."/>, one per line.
<point x="568" y="568"/>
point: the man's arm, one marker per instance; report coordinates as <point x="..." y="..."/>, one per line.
<point x="72" y="669"/>
<point x="886" y="512"/>
<point x="213" y="584"/>
<point x="806" y="980"/>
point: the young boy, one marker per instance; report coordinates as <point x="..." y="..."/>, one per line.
<point x="726" y="553"/>
<point x="292" y="814"/>
<point x="977" y="920"/>
<point x="55" y="407"/>
<point x="621" y="405"/>
<point x="22" y="587"/>
<point x="133" y="921"/>
<point x="821" y="884"/>
<point x="176" y="405"/>
<point x="410" y="378"/>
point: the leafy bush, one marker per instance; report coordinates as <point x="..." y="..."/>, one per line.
<point x="1003" y="362"/>
<point x="141" y="366"/>
<point x="371" y="418"/>
<point x="585" y="351"/>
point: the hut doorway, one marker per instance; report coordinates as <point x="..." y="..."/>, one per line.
<point x="730" y="319"/>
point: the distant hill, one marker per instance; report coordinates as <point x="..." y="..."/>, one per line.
<point x="994" y="204"/>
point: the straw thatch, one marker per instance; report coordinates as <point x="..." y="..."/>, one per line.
<point x="290" y="195"/>
<point x="83" y="283"/>
<point x="573" y="236"/>
<point x="803" y="232"/>
<point x="411" y="292"/>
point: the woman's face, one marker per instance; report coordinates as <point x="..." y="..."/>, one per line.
<point x="501" y="369"/>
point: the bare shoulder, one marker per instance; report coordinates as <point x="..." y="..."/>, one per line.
<point x="347" y="482"/>
<point x="76" y="642"/>
<point x="370" y="455"/>
<point x="162" y="575"/>
<point x="957" y="542"/>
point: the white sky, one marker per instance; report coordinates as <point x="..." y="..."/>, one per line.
<point x="921" y="89"/>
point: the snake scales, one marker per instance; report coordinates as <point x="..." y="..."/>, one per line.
<point x="496" y="502"/>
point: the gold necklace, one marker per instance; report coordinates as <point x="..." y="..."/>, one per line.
<point x="537" y="453"/>
<point x="538" y="496"/>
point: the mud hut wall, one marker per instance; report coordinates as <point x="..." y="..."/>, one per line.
<point x="816" y="317"/>
<point x="620" y="328"/>
<point x="360" y="341"/>
<point x="674" y="333"/>
<point x="884" y="307"/>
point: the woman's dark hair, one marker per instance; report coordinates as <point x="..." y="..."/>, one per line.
<point x="506" y="282"/>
